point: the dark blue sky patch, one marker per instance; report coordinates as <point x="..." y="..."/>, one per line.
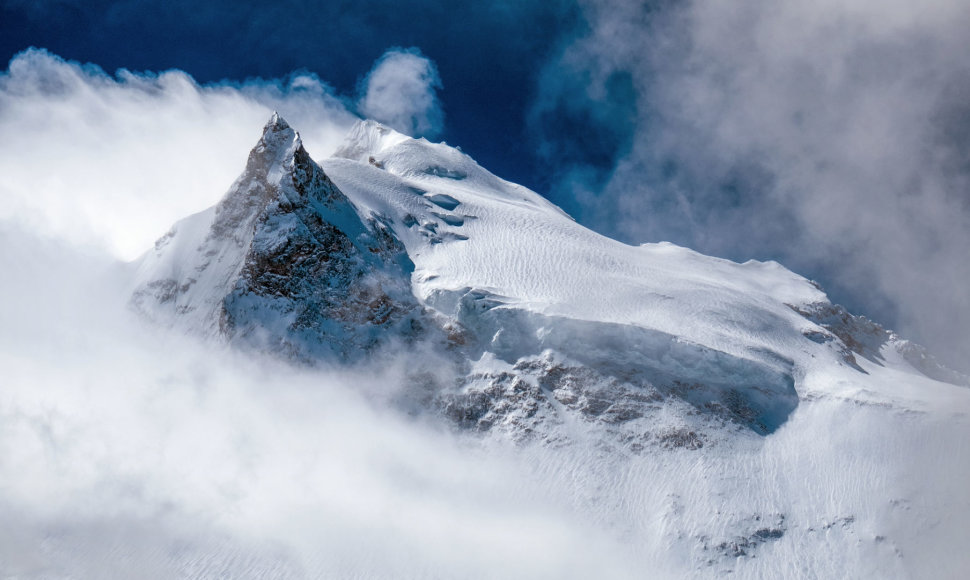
<point x="488" y="54"/>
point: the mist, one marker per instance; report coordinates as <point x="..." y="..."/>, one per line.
<point x="831" y="136"/>
<point x="119" y="438"/>
<point x="113" y="160"/>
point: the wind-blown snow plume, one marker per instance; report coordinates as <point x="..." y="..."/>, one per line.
<point x="401" y="92"/>
<point x="115" y="159"/>
<point x="832" y="135"/>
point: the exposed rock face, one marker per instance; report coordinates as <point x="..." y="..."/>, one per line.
<point x="544" y="398"/>
<point x="857" y="335"/>
<point x="290" y="265"/>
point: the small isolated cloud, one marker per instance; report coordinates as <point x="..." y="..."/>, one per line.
<point x="401" y="92"/>
<point x="115" y="160"/>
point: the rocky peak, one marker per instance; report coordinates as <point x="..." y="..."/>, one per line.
<point x="279" y="171"/>
<point x="287" y="263"/>
<point x="277" y="130"/>
<point x="275" y="151"/>
<point x="278" y="144"/>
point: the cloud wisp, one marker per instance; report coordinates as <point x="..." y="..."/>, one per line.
<point x="115" y="160"/>
<point x="833" y="136"/>
<point x="401" y="92"/>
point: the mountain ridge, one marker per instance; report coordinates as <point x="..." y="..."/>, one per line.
<point x="396" y="241"/>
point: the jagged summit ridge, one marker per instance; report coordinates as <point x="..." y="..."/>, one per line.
<point x="279" y="143"/>
<point x="276" y="122"/>
<point x="279" y="168"/>
<point x="277" y="125"/>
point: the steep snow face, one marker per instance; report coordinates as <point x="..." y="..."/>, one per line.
<point x="697" y="363"/>
<point x="282" y="263"/>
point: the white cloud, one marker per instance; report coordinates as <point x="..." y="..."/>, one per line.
<point x="125" y="451"/>
<point x="114" y="161"/>
<point x="401" y="92"/>
<point x="123" y="448"/>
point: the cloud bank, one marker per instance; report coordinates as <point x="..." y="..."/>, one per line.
<point x="401" y="92"/>
<point x="127" y="451"/>
<point x="115" y="160"/>
<point x="833" y="136"/>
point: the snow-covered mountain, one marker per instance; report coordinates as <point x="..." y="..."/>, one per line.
<point x="396" y="240"/>
<point x="524" y="324"/>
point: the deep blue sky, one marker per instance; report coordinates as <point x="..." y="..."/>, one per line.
<point x="488" y="54"/>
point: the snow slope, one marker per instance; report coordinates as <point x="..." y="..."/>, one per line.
<point x="501" y="259"/>
<point x="733" y="388"/>
<point x="531" y="255"/>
